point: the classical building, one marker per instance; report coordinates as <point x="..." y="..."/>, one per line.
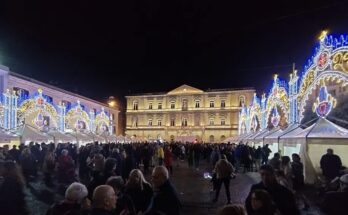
<point x="186" y="112"/>
<point x="46" y="107"/>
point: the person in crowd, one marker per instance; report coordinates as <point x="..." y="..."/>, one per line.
<point x="262" y="204"/>
<point x="197" y="155"/>
<point x="49" y="165"/>
<point x="97" y="164"/>
<point x="104" y="200"/>
<point x="283" y="180"/>
<point x="275" y="161"/>
<point x="12" y="196"/>
<point x="330" y="164"/>
<point x="281" y="196"/>
<point x="285" y="167"/>
<point x="265" y="154"/>
<point x="335" y="202"/>
<point x="139" y="190"/>
<point x="146" y="157"/>
<point x="128" y="163"/>
<point x="298" y="179"/>
<point x="28" y="164"/>
<point x="66" y="168"/>
<point x="258" y="157"/>
<point x="74" y="203"/>
<point x="160" y="155"/>
<point x="165" y="199"/>
<point x="168" y="159"/>
<point x="223" y="170"/>
<point x="124" y="201"/>
<point x="232" y="210"/>
<point x="14" y="153"/>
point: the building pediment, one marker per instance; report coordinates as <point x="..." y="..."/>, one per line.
<point x="185" y="89"/>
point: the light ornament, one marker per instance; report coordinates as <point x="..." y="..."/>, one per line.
<point x="275" y="119"/>
<point x="324" y="103"/>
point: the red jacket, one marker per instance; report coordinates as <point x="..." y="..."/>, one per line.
<point x="168" y="157"/>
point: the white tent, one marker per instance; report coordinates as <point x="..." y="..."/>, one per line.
<point x="259" y="140"/>
<point x="28" y="134"/>
<point x="6" y="137"/>
<point x="81" y="138"/>
<point x="60" y="137"/>
<point x="315" y="140"/>
<point x="274" y="139"/>
<point x="252" y="137"/>
<point x="97" y="138"/>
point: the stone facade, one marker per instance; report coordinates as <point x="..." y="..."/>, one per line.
<point x="186" y="113"/>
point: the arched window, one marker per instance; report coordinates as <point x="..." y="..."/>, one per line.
<point x="211" y="138"/>
<point x="135" y="105"/>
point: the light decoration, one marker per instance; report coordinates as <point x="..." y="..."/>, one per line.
<point x="76" y="118"/>
<point x="38" y="106"/>
<point x="278" y="97"/>
<point x="329" y="63"/>
<point x="324" y="103"/>
<point x="255" y="113"/>
<point x="102" y="122"/>
<point x="275" y="119"/>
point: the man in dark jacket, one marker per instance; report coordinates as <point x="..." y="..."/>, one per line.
<point x="281" y="196"/>
<point x="336" y="202"/>
<point x="330" y="164"/>
<point x="165" y="199"/>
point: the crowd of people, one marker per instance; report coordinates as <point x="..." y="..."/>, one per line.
<point x="111" y="178"/>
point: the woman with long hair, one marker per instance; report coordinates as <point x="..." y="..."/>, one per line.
<point x="139" y="190"/>
<point x="12" y="197"/>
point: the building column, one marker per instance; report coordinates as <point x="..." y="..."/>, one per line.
<point x="62" y="112"/>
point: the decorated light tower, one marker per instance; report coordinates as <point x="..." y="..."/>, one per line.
<point x="92" y="121"/>
<point x="263" y="112"/>
<point x="324" y="103"/>
<point x="13" y="110"/>
<point x="10" y="109"/>
<point x="293" y="91"/>
<point x="61" y="112"/>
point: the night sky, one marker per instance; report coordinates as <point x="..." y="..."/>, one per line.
<point x="100" y="49"/>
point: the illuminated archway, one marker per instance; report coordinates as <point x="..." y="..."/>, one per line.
<point x="102" y="122"/>
<point x="77" y="118"/>
<point x="330" y="63"/>
<point x="38" y="113"/>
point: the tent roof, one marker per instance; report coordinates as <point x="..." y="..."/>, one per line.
<point x="60" y="136"/>
<point x="82" y="136"/>
<point x="260" y="137"/>
<point x="253" y="136"/>
<point x="323" y="128"/>
<point x="277" y="134"/>
<point x="29" y="133"/>
<point x="7" y="136"/>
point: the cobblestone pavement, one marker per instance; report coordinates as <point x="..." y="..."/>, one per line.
<point x="194" y="191"/>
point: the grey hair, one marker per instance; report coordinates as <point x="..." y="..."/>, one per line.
<point x="76" y="192"/>
<point x="163" y="170"/>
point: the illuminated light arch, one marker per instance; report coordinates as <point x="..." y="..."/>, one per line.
<point x="32" y="111"/>
<point x="243" y="120"/>
<point x="102" y="122"/>
<point x="278" y="97"/>
<point x="255" y="114"/>
<point x="77" y="118"/>
<point x="329" y="63"/>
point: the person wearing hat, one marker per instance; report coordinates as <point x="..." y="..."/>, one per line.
<point x="335" y="202"/>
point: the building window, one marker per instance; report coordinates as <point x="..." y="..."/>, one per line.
<point x="172" y="122"/>
<point x="223" y="103"/>
<point x="184" y="122"/>
<point x="184" y="104"/>
<point x="150" y="106"/>
<point x="211" y="104"/>
<point x="159" y="122"/>
<point x="21" y="93"/>
<point x="67" y="104"/>
<point x="48" y="99"/>
<point x="241" y="101"/>
<point x="172" y="105"/>
<point x="112" y="116"/>
<point x="211" y="121"/>
<point x="135" y="105"/>
<point x="150" y="122"/>
<point x="197" y="104"/>
<point x="135" y="122"/>
<point x="222" y="121"/>
<point x="159" y="105"/>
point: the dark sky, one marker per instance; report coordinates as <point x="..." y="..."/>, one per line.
<point x="100" y="49"/>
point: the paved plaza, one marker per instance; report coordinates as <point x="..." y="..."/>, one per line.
<point x="194" y="191"/>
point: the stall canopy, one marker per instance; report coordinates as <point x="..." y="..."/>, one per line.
<point x="7" y="136"/>
<point x="96" y="138"/>
<point x="60" y="137"/>
<point x="315" y="140"/>
<point x="253" y="136"/>
<point x="259" y="138"/>
<point x="185" y="139"/>
<point x="81" y="137"/>
<point x="274" y="137"/>
<point x="28" y="133"/>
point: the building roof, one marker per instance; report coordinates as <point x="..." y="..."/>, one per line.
<point x="55" y="88"/>
<point x="185" y="89"/>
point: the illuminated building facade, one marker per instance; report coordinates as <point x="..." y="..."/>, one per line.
<point x="45" y="107"/>
<point x="186" y="113"/>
